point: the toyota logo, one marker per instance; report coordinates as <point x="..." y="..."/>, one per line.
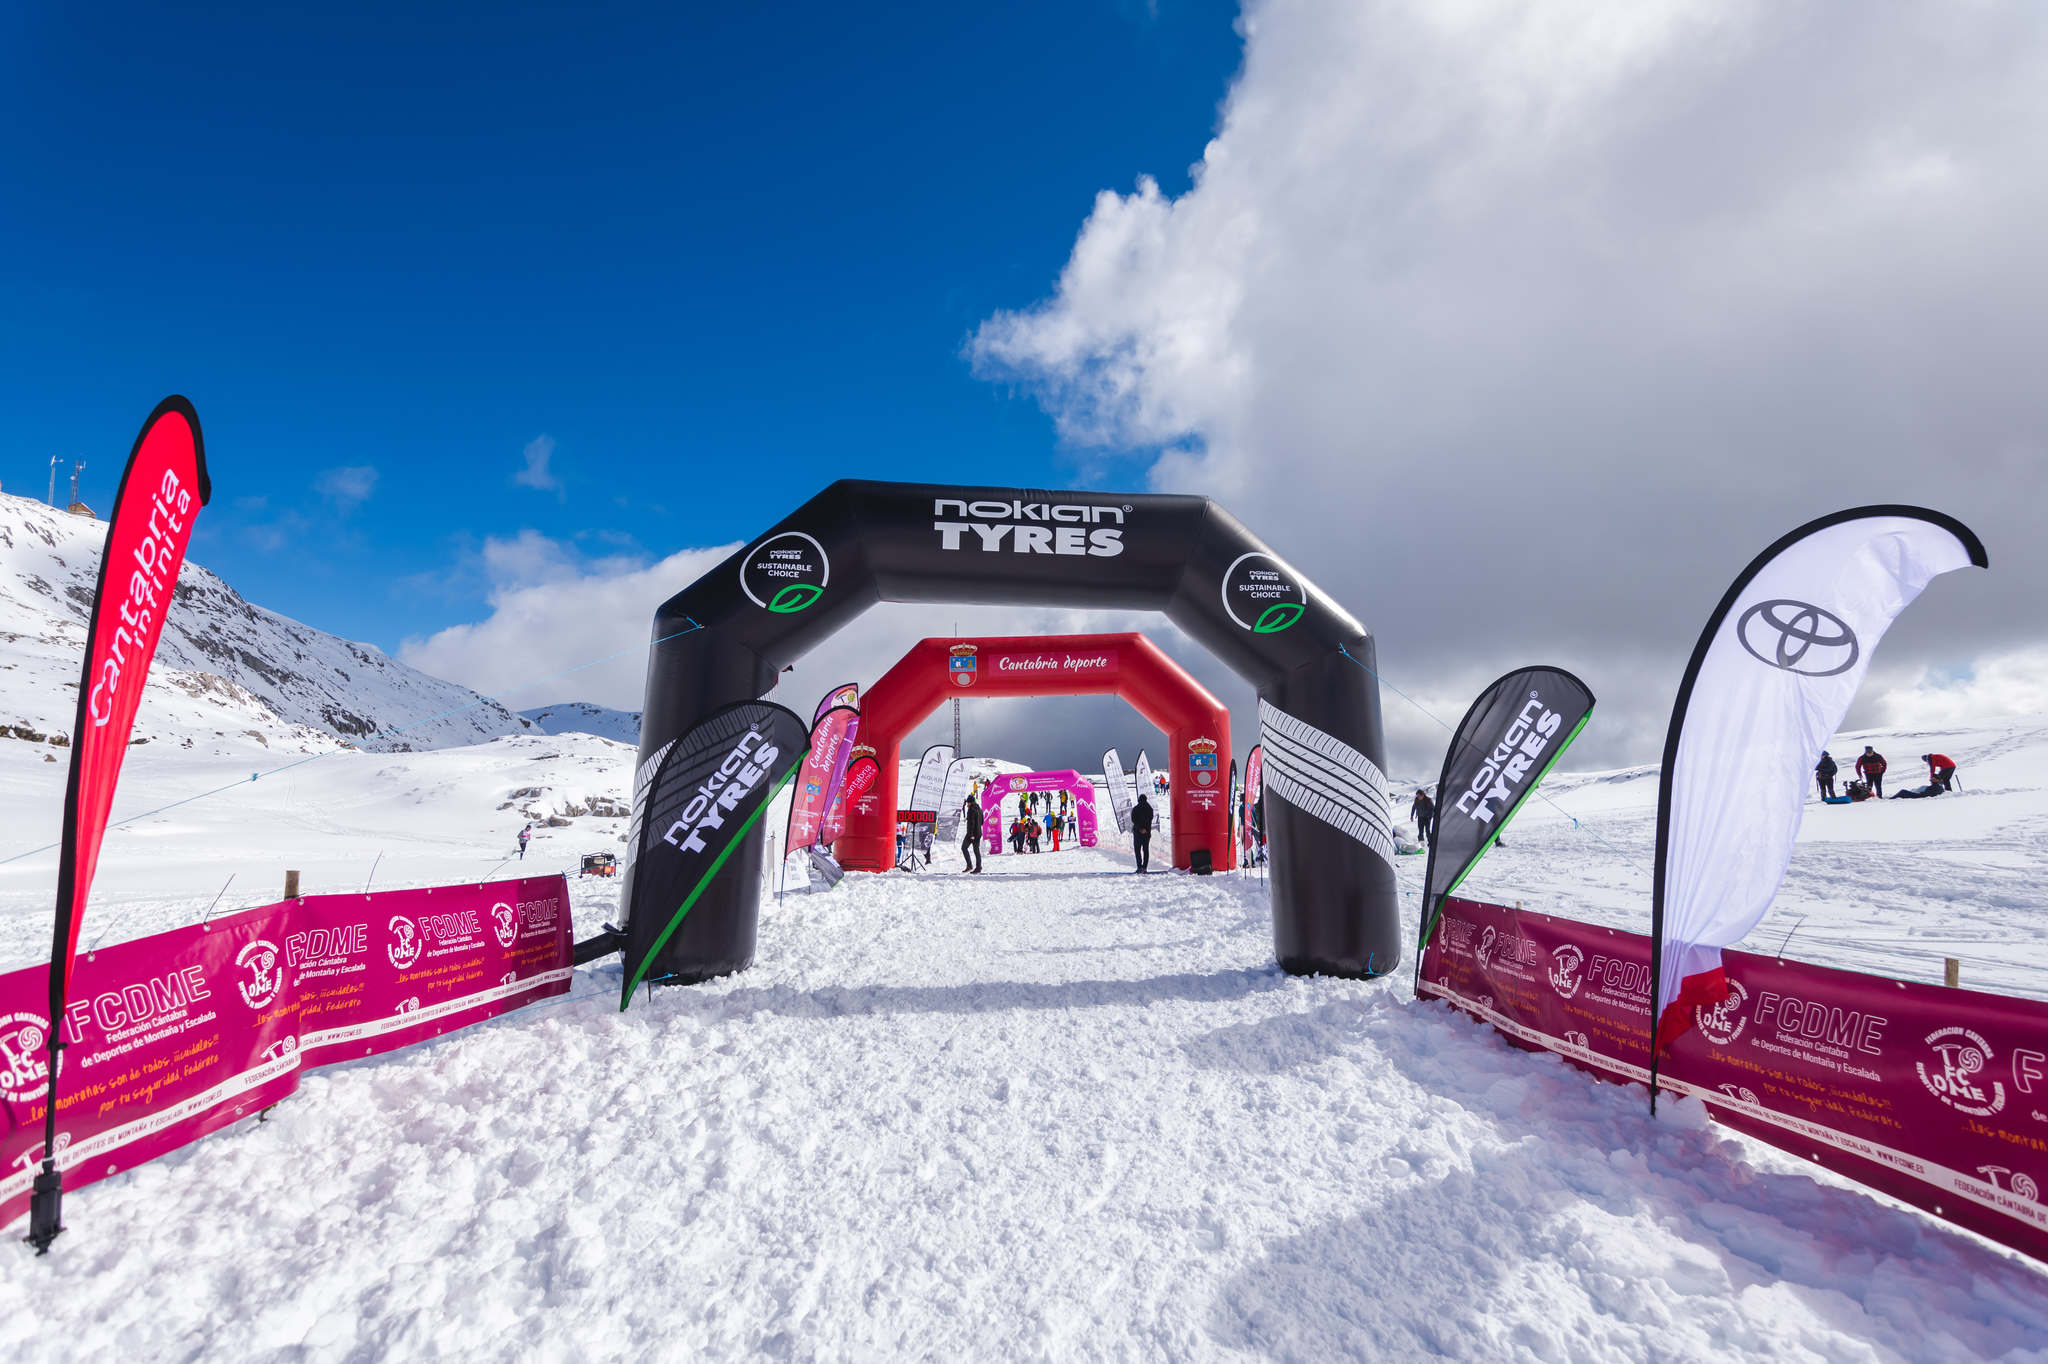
<point x="1799" y="638"/>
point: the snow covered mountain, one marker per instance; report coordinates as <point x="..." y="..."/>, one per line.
<point x="583" y="717"/>
<point x="226" y="667"/>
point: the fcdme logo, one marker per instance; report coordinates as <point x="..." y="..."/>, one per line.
<point x="1798" y="637"/>
<point x="259" y="959"/>
<point x="1961" y="1055"/>
<point x="505" y="923"/>
<point x="1722" y="1023"/>
<point x="24" y="1045"/>
<point x="404" y="947"/>
<point x="1564" y="970"/>
<point x="2013" y="1181"/>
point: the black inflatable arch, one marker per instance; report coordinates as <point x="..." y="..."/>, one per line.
<point x="1335" y="907"/>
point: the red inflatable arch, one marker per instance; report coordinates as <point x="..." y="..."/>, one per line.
<point x="1127" y="665"/>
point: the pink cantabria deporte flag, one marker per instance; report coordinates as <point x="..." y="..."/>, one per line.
<point x="1769" y="681"/>
<point x="162" y="490"/>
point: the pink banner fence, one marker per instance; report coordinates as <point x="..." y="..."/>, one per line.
<point x="176" y="1035"/>
<point x="1934" y="1095"/>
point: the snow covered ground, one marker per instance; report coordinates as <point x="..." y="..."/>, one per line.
<point x="1053" y="1112"/>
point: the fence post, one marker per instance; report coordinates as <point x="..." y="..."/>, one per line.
<point x="1951" y="972"/>
<point x="291" y="885"/>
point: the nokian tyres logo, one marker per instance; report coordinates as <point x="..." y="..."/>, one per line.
<point x="785" y="573"/>
<point x="1262" y="595"/>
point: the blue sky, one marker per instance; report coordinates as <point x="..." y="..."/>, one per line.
<point x="716" y="258"/>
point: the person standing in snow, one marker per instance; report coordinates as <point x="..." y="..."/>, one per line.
<point x="1423" y="809"/>
<point x="1141" y="832"/>
<point x="525" y="837"/>
<point x="1052" y="826"/>
<point x="1941" y="770"/>
<point x="1871" y="768"/>
<point x="970" y="846"/>
<point x="1824" y="773"/>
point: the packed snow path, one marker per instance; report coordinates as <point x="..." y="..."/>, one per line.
<point x="1056" y="1111"/>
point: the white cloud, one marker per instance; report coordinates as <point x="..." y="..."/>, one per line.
<point x="1521" y="328"/>
<point x="2000" y="686"/>
<point x="552" y="611"/>
<point x="539" y="451"/>
<point x="346" y="487"/>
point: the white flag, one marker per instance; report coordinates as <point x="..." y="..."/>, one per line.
<point x="1769" y="682"/>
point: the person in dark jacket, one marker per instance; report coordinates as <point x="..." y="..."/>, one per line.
<point x="1424" y="811"/>
<point x="525" y="836"/>
<point x="1941" y="770"/>
<point x="1824" y="773"/>
<point x="1870" y="766"/>
<point x="1141" y="832"/>
<point x="970" y="846"/>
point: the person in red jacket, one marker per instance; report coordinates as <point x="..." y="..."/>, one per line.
<point x="1941" y="769"/>
<point x="1870" y="766"/>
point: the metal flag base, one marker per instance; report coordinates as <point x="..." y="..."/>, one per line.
<point x="46" y="1208"/>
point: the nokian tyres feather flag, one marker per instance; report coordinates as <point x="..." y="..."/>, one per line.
<point x="1768" y="683"/>
<point x="162" y="489"/>
<point x="1504" y="746"/>
<point x="707" y="790"/>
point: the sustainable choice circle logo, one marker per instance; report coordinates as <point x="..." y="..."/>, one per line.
<point x="1261" y="595"/>
<point x="1798" y="637"/>
<point x="259" y="959"/>
<point x="785" y="573"/>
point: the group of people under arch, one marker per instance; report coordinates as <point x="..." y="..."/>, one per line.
<point x="1040" y="822"/>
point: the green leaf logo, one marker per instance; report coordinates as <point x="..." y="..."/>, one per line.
<point x="1277" y="617"/>
<point x="795" y="598"/>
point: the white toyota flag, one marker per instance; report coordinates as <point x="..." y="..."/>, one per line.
<point x="1771" y="678"/>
